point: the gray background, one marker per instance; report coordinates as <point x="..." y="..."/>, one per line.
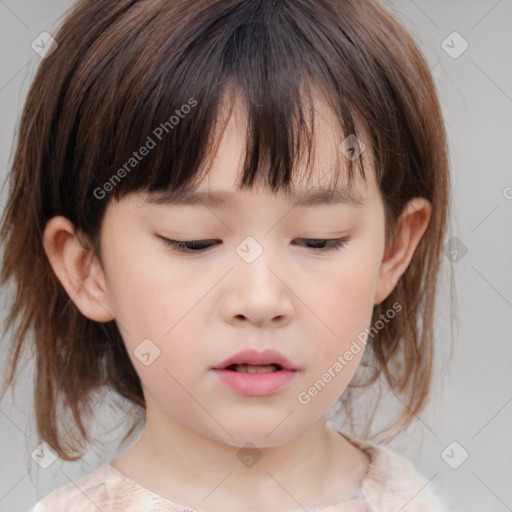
<point x="472" y="395"/>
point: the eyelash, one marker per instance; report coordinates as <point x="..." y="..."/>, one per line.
<point x="195" y="246"/>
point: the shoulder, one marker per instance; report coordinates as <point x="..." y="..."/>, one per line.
<point x="392" y="481"/>
<point x="105" y="490"/>
<point x="84" y="494"/>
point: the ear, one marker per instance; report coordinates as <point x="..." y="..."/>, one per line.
<point x="80" y="274"/>
<point x="411" y="226"/>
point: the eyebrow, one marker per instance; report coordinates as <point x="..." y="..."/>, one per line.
<point x="310" y="197"/>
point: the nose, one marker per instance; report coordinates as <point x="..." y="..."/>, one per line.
<point x="259" y="294"/>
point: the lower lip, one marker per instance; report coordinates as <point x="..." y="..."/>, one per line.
<point x="255" y="384"/>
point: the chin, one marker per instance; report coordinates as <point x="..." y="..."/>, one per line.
<point x="261" y="434"/>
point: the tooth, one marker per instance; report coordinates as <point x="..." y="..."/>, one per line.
<point x="244" y="368"/>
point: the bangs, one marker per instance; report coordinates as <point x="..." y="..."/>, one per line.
<point x="154" y="105"/>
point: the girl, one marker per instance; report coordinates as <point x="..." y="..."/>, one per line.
<point x="220" y="209"/>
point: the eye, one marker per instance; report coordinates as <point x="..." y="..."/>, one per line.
<point x="192" y="246"/>
<point x="321" y="244"/>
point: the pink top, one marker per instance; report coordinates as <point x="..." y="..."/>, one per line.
<point x="391" y="484"/>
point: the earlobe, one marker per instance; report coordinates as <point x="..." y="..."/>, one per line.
<point x="410" y="228"/>
<point x="82" y="278"/>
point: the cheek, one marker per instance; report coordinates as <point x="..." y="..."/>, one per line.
<point x="344" y="300"/>
<point x="161" y="303"/>
<point x="351" y="300"/>
<point x="148" y="292"/>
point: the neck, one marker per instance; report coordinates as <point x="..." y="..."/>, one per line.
<point x="192" y="469"/>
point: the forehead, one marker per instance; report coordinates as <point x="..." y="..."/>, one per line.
<point x="319" y="180"/>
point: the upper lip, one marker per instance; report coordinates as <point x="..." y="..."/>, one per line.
<point x="252" y="356"/>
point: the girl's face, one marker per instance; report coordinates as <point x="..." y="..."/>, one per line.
<point x="258" y="284"/>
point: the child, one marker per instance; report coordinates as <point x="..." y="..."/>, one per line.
<point x="217" y="208"/>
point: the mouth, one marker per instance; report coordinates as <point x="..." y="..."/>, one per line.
<point x="253" y="373"/>
<point x="252" y="361"/>
<point x="254" y="380"/>
<point x="250" y="368"/>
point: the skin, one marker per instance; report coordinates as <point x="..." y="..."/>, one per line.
<point x="201" y="308"/>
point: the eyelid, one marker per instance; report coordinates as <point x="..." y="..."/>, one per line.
<point x="183" y="246"/>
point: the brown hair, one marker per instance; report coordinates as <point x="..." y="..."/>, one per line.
<point x="122" y="69"/>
